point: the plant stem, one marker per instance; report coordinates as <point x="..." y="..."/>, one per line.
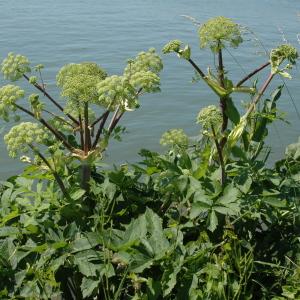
<point x="115" y="122"/>
<point x="47" y="125"/>
<point x="81" y="132"/>
<point x="252" y="73"/>
<point x="40" y="88"/>
<point x="220" y="154"/>
<point x="259" y="95"/>
<point x="85" y="175"/>
<point x="55" y="174"/>
<point x="197" y="68"/>
<point x="222" y="84"/>
<point x="113" y="119"/>
<point x="101" y="126"/>
<point x="99" y="119"/>
<point x="87" y="136"/>
<point x="58" y="117"/>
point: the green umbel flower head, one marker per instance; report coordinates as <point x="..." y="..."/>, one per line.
<point x="21" y="136"/>
<point x="217" y="32"/>
<point x="175" y="137"/>
<point x="9" y="94"/>
<point x="145" y="61"/>
<point x="281" y="53"/>
<point x="14" y="66"/>
<point x="78" y="82"/>
<point x="210" y="116"/>
<point x="142" y="72"/>
<point x="116" y="91"/>
<point x="172" y="46"/>
<point x="146" y="80"/>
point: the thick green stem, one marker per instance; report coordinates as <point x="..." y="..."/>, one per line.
<point x="87" y="134"/>
<point x="85" y="175"/>
<point x="81" y="132"/>
<point x="223" y="100"/>
<point x="220" y="155"/>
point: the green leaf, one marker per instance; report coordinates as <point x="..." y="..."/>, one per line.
<point x="275" y="202"/>
<point x="83" y="243"/>
<point x="153" y="289"/>
<point x="88" y="286"/>
<point x="10" y="216"/>
<point x="231" y="111"/>
<point x="213" y="221"/>
<point x="9" y="231"/>
<point x="198" y="208"/>
<point x="77" y="194"/>
<point x="230" y="195"/>
<point x="87" y="268"/>
<point x="169" y="278"/>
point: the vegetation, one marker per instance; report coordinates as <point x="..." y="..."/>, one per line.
<point x="208" y="219"/>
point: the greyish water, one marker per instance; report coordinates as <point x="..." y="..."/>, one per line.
<point x="56" y="32"/>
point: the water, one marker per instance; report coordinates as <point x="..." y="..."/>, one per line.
<point x="57" y="32"/>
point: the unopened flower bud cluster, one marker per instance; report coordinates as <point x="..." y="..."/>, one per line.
<point x="79" y="82"/>
<point x="145" y="61"/>
<point x="9" y="94"/>
<point x="22" y="135"/>
<point x="114" y="90"/>
<point x="172" y="46"/>
<point x="146" y="80"/>
<point x="174" y="137"/>
<point x="14" y="66"/>
<point x="210" y="116"/>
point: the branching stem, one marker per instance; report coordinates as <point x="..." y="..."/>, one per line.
<point x="41" y="89"/>
<point x="101" y="126"/>
<point x="47" y="125"/>
<point x="55" y="174"/>
<point x="259" y="95"/>
<point x="252" y="73"/>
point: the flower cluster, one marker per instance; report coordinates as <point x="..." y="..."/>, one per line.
<point x="9" y="94"/>
<point x="218" y="31"/>
<point x="14" y="66"/>
<point x="174" y="137"/>
<point x="175" y="46"/>
<point x="281" y="53"/>
<point x="210" y="116"/>
<point x="145" y="61"/>
<point x="21" y="137"/>
<point x="172" y="46"/>
<point x="116" y="91"/>
<point x="78" y="82"/>
<point x="145" y="80"/>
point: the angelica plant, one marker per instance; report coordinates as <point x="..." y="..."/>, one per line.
<point x="175" y="138"/>
<point x="218" y="34"/>
<point x="94" y="103"/>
